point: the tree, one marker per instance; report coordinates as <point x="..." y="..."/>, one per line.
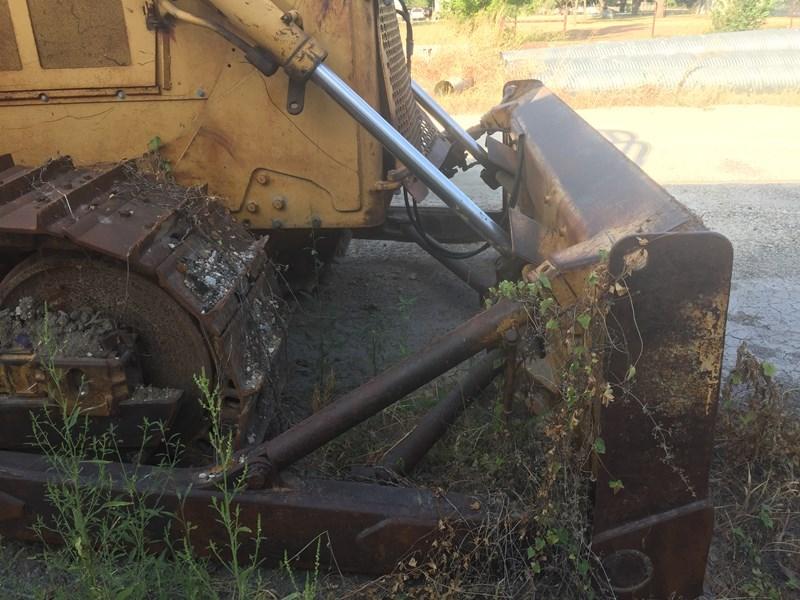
<point x="468" y="8"/>
<point x="739" y="15"/>
<point x="465" y="8"/>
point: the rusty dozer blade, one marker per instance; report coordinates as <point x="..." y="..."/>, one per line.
<point x="576" y="199"/>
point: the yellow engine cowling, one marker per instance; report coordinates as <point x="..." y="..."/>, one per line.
<point x="104" y="81"/>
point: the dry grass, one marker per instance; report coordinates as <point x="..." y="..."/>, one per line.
<point x="533" y="30"/>
<point x="471" y="50"/>
<point x="756" y="487"/>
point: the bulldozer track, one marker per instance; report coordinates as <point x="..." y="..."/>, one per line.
<point x="117" y="218"/>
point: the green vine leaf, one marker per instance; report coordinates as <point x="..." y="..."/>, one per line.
<point x="608" y="395"/>
<point x="545" y="282"/>
<point x="600" y="446"/>
<point x="616" y="486"/>
<point x="584" y="320"/>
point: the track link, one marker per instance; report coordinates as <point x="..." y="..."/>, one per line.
<point x="177" y="238"/>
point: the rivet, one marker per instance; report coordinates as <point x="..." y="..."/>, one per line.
<point x="120" y="94"/>
<point x="201" y="93"/>
<point x="262" y="178"/>
<point x="252" y="207"/>
<point x="277" y="223"/>
<point x="44" y="97"/>
<point x="316" y="222"/>
<point x="279" y="202"/>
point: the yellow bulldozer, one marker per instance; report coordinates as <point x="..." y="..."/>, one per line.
<point x="159" y="159"/>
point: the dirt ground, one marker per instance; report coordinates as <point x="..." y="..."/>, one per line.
<point x="541" y="29"/>
<point x="448" y="50"/>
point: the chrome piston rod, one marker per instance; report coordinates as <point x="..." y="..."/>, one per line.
<point x="450" y="124"/>
<point x="412" y="158"/>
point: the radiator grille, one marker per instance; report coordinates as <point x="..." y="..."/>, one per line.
<point x="406" y="115"/>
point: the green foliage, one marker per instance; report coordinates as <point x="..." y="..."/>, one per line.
<point x="113" y="545"/>
<point x="470" y="8"/>
<point x="244" y="575"/>
<point x="106" y="546"/>
<point x="155" y="161"/>
<point x="310" y="587"/>
<point x="740" y="15"/>
<point x="756" y="457"/>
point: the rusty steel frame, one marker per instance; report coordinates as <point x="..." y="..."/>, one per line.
<point x="367" y="528"/>
<point x="362" y="527"/>
<point x="97" y="384"/>
<point x="482" y="331"/>
<point x="404" y="456"/>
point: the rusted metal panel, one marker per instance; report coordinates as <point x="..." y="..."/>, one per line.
<point x="363" y="528"/>
<point x="73" y="44"/>
<point x="676" y="544"/>
<point x="74" y="34"/>
<point x="94" y="384"/>
<point x="17" y="415"/>
<point x="583" y="192"/>
<point x="669" y="324"/>
<point x="9" y="54"/>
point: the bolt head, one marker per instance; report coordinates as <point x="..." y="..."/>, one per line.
<point x="252" y="207"/>
<point x="279" y="202"/>
<point x="277" y="223"/>
<point x="262" y="178"/>
<point x="316" y="222"/>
